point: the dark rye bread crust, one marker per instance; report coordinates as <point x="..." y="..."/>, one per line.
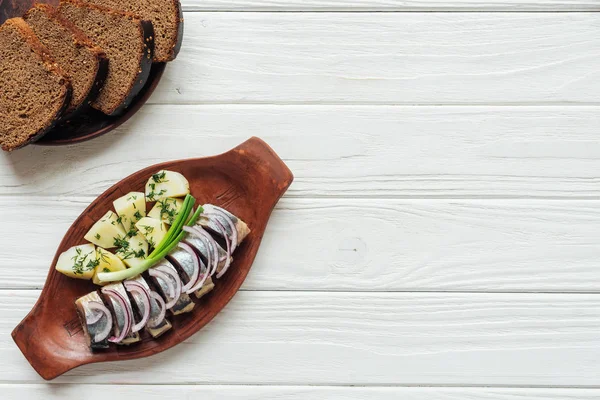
<point x="42" y="53"/>
<point x="145" y="58"/>
<point x="169" y="22"/>
<point x="179" y="41"/>
<point x="145" y="66"/>
<point x="94" y="90"/>
<point x="79" y="39"/>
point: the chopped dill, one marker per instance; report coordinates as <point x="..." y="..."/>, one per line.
<point x="159" y="177"/>
<point x="80" y="266"/>
<point x="121" y="243"/>
<point x="147" y="229"/>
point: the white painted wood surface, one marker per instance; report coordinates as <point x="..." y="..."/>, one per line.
<point x="349" y="338"/>
<point x="344" y="151"/>
<point x="386" y="58"/>
<point x="440" y="238"/>
<point x="390" y="5"/>
<point x="374" y="244"/>
<point x="244" y="392"/>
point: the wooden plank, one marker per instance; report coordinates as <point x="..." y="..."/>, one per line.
<point x="390" y="58"/>
<point x="296" y="338"/>
<point x="160" y="392"/>
<point x="353" y="151"/>
<point x="390" y="5"/>
<point x="370" y="245"/>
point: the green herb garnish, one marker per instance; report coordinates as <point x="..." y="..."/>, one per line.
<point x="132" y="233"/>
<point x="147" y="229"/>
<point x="159" y="177"/>
<point x="80" y="266"/>
<point x="167" y="210"/>
<point x="121" y="243"/>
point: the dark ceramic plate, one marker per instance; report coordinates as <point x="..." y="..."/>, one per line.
<point x="90" y="123"/>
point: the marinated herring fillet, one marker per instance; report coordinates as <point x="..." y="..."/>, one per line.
<point x="96" y="327"/>
<point x="157" y="324"/>
<point x="212" y="212"/>
<point x="166" y="18"/>
<point x="34" y="91"/>
<point x="182" y="302"/>
<point x="128" y="43"/>
<point x="122" y="312"/>
<point x="200" y="247"/>
<point x="182" y="261"/>
<point x="83" y="62"/>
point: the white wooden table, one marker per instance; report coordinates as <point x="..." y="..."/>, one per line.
<point x="440" y="241"/>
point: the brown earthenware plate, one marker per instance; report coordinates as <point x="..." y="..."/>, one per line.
<point x="248" y="181"/>
<point x="89" y="123"/>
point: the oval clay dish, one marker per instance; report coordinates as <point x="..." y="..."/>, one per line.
<point x="89" y="123"/>
<point x="248" y="181"/>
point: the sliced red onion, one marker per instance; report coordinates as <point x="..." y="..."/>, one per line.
<point x="155" y="322"/>
<point x="126" y="314"/>
<point x="202" y="277"/>
<point x="172" y="274"/>
<point x="231" y="223"/>
<point x="224" y="234"/>
<point x="200" y="283"/>
<point x="165" y="278"/>
<point x="196" y="263"/>
<point x="228" y="243"/>
<point x="97" y="306"/>
<point x="135" y="287"/>
<point x="211" y="246"/>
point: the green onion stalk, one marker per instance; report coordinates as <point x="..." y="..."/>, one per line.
<point x="174" y="235"/>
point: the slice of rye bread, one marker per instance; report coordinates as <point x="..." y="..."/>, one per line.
<point x="128" y="43"/>
<point x="34" y="91"/>
<point x="166" y="18"/>
<point x="84" y="63"/>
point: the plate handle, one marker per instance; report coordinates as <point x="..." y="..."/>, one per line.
<point x="49" y="358"/>
<point x="263" y="169"/>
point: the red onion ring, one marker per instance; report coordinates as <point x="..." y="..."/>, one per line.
<point x="97" y="306"/>
<point x="202" y="277"/>
<point x="231" y="223"/>
<point x="196" y="263"/>
<point x="172" y="274"/>
<point x="154" y="322"/>
<point x="126" y="313"/>
<point x="135" y="287"/>
<point x="165" y="278"/>
<point x="228" y="243"/>
<point x="224" y="234"/>
<point x="210" y="244"/>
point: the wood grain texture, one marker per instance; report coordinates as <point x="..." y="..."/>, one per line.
<point x="372" y="245"/>
<point x="350" y="151"/>
<point x="243" y="392"/>
<point x="386" y="58"/>
<point x="391" y="5"/>
<point x="314" y="338"/>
